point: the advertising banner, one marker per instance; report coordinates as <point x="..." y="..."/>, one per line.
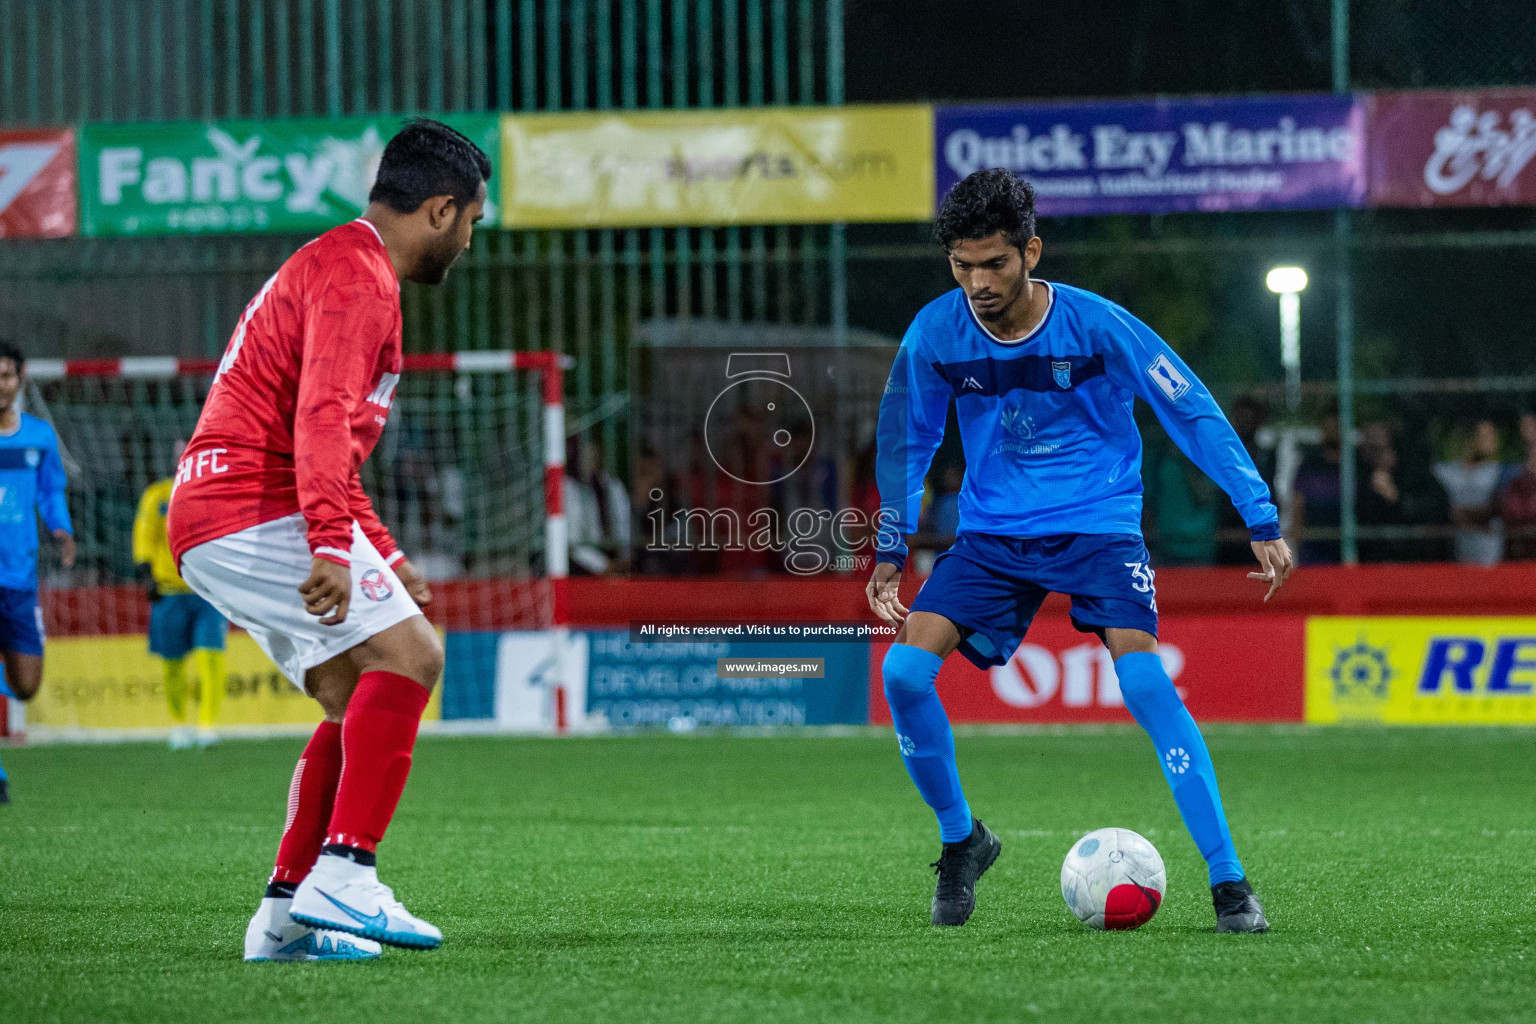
<point x="1452" y="148"/>
<point x="37" y="183"/>
<point x="806" y="165"/>
<point x="1162" y="156"/>
<point x="1421" y="671"/>
<point x="192" y="177"/>
<point x="610" y="682"/>
<point x="1239" y="668"/>
<point x="113" y="682"/>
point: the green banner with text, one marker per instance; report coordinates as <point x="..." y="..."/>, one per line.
<point x="227" y="177"/>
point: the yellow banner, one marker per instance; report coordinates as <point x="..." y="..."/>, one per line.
<point x="113" y="682"/>
<point x="775" y="165"/>
<point x="1421" y="671"/>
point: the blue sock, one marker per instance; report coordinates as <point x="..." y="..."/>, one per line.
<point x="923" y="733"/>
<point x="1153" y="702"/>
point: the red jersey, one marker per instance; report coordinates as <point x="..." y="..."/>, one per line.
<point x="300" y="399"/>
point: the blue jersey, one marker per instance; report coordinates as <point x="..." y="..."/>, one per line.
<point x="1051" y="445"/>
<point x="31" y="482"/>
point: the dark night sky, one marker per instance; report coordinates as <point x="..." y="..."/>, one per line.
<point x="1014" y="50"/>
<point x="1420" y="311"/>
<point x="900" y="50"/>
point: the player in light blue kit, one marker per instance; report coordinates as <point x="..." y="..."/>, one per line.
<point x="31" y="483"/>
<point x="1044" y="378"/>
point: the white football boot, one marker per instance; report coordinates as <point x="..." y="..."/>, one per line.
<point x="273" y="935"/>
<point x="344" y="896"/>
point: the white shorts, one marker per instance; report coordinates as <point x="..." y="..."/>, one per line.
<point x="252" y="577"/>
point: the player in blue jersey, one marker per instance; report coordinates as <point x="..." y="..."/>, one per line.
<point x="31" y="482"/>
<point x="1044" y="378"/>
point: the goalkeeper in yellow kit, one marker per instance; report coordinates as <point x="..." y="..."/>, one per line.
<point x="180" y="622"/>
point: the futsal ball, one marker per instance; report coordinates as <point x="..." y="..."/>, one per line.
<point x="1113" y="879"/>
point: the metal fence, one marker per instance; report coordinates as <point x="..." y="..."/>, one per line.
<point x="587" y="293"/>
<point x="582" y="292"/>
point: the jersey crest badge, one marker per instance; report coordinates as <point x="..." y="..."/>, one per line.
<point x="971" y="382"/>
<point x="1061" y="372"/>
<point x="1167" y="377"/>
<point x="33" y="457"/>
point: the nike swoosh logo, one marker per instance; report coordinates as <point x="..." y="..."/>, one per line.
<point x="379" y="920"/>
<point x="274" y="937"/>
<point x="304" y="945"/>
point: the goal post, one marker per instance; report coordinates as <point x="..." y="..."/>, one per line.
<point x="468" y="476"/>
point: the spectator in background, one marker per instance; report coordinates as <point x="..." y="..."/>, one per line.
<point x="598" y="512"/>
<point x="1183" y="511"/>
<point x="1472" y="482"/>
<point x="1380" y="500"/>
<point x="1316" y="498"/>
<point x="651" y="498"/>
<point x="864" y="494"/>
<point x="1248" y="416"/>
<point x="1517" y="501"/>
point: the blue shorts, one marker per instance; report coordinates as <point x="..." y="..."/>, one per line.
<point x="992" y="586"/>
<point x="21" y="622"/>
<point x="179" y="623"/>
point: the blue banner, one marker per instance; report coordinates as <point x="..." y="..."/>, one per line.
<point x="633" y="685"/>
<point x="1164" y="156"/>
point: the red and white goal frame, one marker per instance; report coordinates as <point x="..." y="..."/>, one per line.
<point x="129" y="613"/>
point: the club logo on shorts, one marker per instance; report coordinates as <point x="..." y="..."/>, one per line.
<point x="376" y="586"/>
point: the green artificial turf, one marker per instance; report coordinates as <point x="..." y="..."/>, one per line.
<point x="719" y="878"/>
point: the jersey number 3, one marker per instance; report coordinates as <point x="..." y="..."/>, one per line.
<point x="1141" y="579"/>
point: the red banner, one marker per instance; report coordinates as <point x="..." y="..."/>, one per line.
<point x="37" y="183"/>
<point x="1229" y="668"/>
<point x="1452" y="148"/>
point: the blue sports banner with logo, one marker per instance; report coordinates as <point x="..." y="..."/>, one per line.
<point x="548" y="681"/>
<point x="1164" y="156"/>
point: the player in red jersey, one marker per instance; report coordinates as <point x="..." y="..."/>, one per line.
<point x="269" y="522"/>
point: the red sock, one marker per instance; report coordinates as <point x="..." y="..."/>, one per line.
<point x="376" y="740"/>
<point x="311" y="796"/>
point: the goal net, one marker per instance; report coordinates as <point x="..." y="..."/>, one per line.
<point x="463" y="477"/>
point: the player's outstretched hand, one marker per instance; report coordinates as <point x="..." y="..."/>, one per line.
<point x="328" y="591"/>
<point x="415" y="583"/>
<point x="1277" y="562"/>
<point x="883" y="592"/>
<point x="67" y="549"/>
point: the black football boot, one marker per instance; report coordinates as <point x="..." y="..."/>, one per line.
<point x="958" y="867"/>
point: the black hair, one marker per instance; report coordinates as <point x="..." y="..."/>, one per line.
<point x="425" y="159"/>
<point x="14" y="354"/>
<point x="985" y="203"/>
